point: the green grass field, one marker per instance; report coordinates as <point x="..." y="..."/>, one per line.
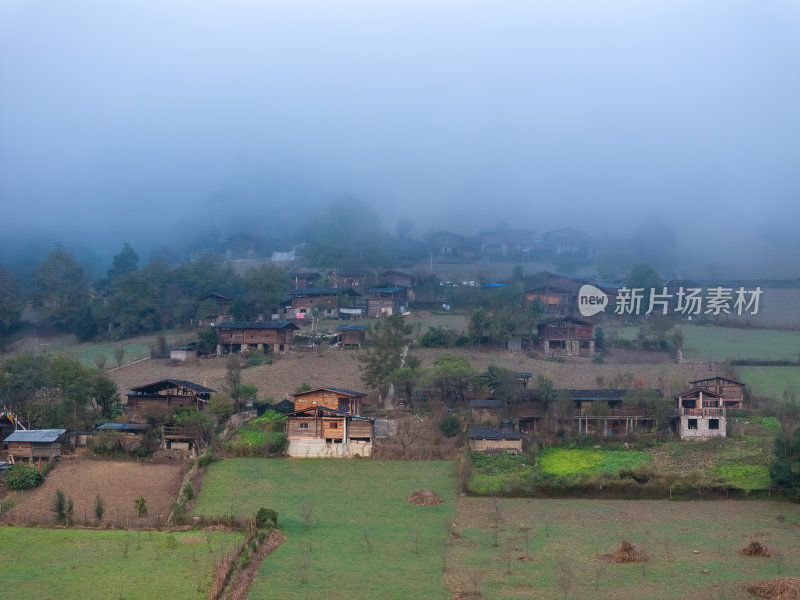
<point x="565" y="539"/>
<point x="365" y="540"/>
<point x="770" y="382"/>
<point x="53" y="564"/>
<point x="561" y="461"/>
<point x="708" y="342"/>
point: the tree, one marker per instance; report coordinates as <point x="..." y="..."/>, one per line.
<point x="11" y="300"/>
<point x="60" y="287"/>
<point x="644" y="275"/>
<point x="220" y="406"/>
<point x="207" y="340"/>
<point x="348" y="236"/>
<point x="450" y="426"/>
<point x="563" y="410"/>
<point x="388" y="341"/>
<point x="233" y="378"/>
<point x="504" y="385"/>
<point x="785" y="468"/>
<point x="245" y="393"/>
<point x="265" y="287"/>
<point x="453" y="375"/>
<point x="127" y="261"/>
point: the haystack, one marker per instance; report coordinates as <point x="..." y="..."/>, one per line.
<point x="779" y="588"/>
<point x="755" y="548"/>
<point x="627" y="553"/>
<point x="424" y="497"/>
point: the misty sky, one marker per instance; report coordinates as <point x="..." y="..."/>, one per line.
<point x="145" y="117"/>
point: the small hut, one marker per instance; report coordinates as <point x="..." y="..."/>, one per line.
<point x="36" y="443"/>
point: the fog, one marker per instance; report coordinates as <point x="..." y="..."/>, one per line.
<point x="162" y="123"/>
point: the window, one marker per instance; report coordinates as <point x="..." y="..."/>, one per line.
<point x="692" y="423"/>
<point x="303" y="425"/>
<point x="713" y="423"/>
<point x="334" y="425"/>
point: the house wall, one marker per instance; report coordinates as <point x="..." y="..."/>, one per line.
<point x="510" y="445"/>
<point x="352" y="337"/>
<point x="702" y="431"/>
<point x="34" y="450"/>
<point x="321" y="449"/>
<point x="326" y="398"/>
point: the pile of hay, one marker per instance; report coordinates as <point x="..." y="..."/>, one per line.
<point x="627" y="553"/>
<point x="780" y="588"/>
<point x="755" y="548"/>
<point x="424" y="498"/>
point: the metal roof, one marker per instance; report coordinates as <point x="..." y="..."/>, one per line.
<point x="332" y="389"/>
<point x="323" y="292"/>
<point x="332" y="411"/>
<point x="485" y="403"/>
<point x="604" y="395"/>
<point x="386" y="290"/>
<point x="695" y="390"/>
<point x="255" y="325"/>
<point x="123" y="427"/>
<point x="493" y="433"/>
<point x="165" y="383"/>
<point x="709" y="379"/>
<point x="36" y="435"/>
<point x="351" y="328"/>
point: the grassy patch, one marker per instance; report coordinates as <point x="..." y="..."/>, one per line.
<point x="365" y="540"/>
<point x="770" y="382"/>
<point x="493" y="536"/>
<point x="743" y="476"/>
<point x="559" y="461"/>
<point x="40" y="564"/>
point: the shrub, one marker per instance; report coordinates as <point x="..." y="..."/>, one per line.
<point x="261" y="536"/>
<point x="450" y="426"/>
<point x="141" y="506"/>
<point x="22" y="477"/>
<point x="276" y="443"/>
<point x="244" y="559"/>
<point x="63" y="508"/>
<point x="99" y="508"/>
<point x="188" y="490"/>
<point x="206" y="459"/>
<point x="266" y="518"/>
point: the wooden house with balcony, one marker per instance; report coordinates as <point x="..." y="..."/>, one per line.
<point x="605" y="411"/>
<point x="386" y="301"/>
<point x="701" y="414"/>
<point x="328" y="422"/>
<point x="169" y="393"/>
<point x="304" y="300"/>
<point x="219" y="308"/>
<point x="732" y="391"/>
<point x="566" y="336"/>
<point x="275" y="336"/>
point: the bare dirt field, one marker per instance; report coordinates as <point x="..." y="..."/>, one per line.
<point x="117" y="482"/>
<point x="340" y="368"/>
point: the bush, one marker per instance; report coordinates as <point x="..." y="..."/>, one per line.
<point x="63" y="508"/>
<point x="22" y="477"/>
<point x="266" y="518"/>
<point x="244" y="559"/>
<point x="206" y="459"/>
<point x="141" y="506"/>
<point x="450" y="426"/>
<point x="188" y="490"/>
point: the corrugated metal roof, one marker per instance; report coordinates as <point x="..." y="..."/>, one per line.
<point x="323" y="292"/>
<point x="255" y="325"/>
<point x="485" y="403"/>
<point x="386" y="290"/>
<point x="36" y="435"/>
<point x="351" y="328"/>
<point x="123" y="426"/>
<point x="493" y="433"/>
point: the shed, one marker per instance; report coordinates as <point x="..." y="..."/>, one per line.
<point x="351" y="335"/>
<point x="495" y="438"/>
<point x="35" y="443"/>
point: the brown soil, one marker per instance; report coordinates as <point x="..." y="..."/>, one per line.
<point x="627" y="553"/>
<point x="780" y="588"/>
<point x="117" y="482"/>
<point x="424" y="497"/>
<point x="755" y="548"/>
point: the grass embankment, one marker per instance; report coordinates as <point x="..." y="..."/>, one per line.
<point x="566" y="538"/>
<point x="364" y="539"/>
<point x="45" y="564"/>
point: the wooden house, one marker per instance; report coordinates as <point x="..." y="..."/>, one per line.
<point x="320" y="431"/>
<point x="614" y="418"/>
<point x="557" y="293"/>
<point x="351" y="335"/>
<point x="701" y="414"/>
<point x="386" y="301"/>
<point x="336" y="398"/>
<point x="564" y="241"/>
<point x="35" y="443"/>
<point x="170" y="393"/>
<point x="483" y="410"/>
<point x="303" y="300"/>
<point x="303" y="279"/>
<point x="357" y="281"/>
<point x="566" y="336"/>
<point x="446" y="243"/>
<point x="503" y="438"/>
<point x="131" y="434"/>
<point x="732" y="391"/>
<point x="505" y="242"/>
<point x="274" y="336"/>
<point x="219" y="311"/>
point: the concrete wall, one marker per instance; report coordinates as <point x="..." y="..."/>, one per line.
<point x="321" y="449"/>
<point x="702" y="432"/>
<point x="510" y="445"/>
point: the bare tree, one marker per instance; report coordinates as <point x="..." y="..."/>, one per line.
<point x="307" y="514"/>
<point x="598" y="572"/>
<point x="119" y="355"/>
<point x="565" y="575"/>
<point x="508" y="552"/>
<point x="100" y="361"/>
